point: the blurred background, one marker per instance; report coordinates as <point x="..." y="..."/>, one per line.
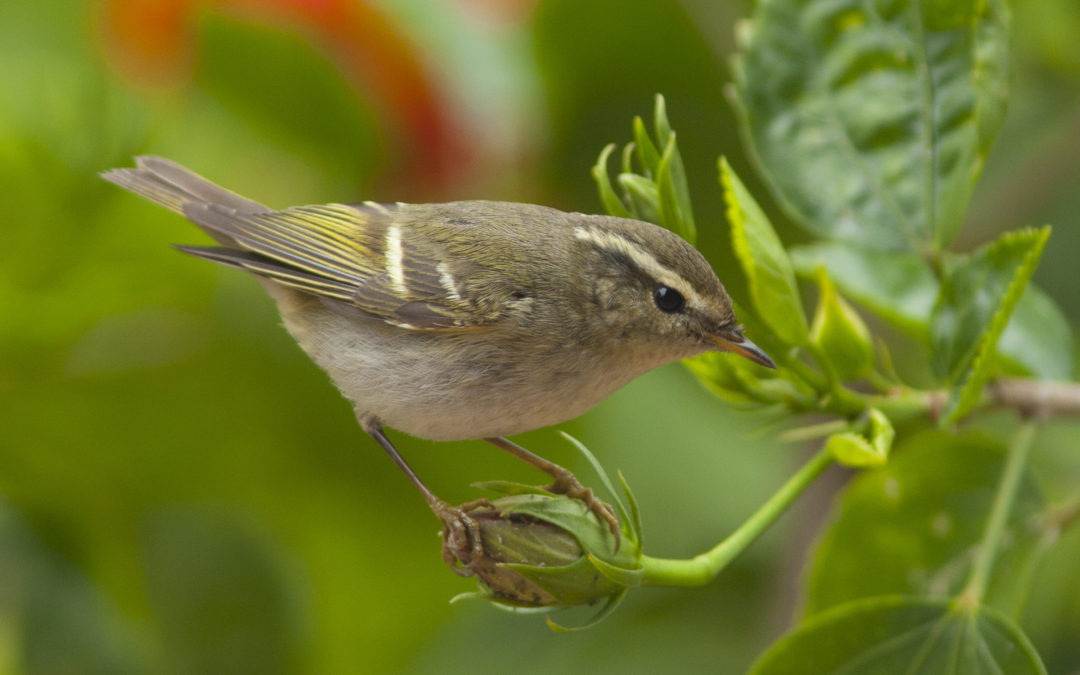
<point x="182" y="491"/>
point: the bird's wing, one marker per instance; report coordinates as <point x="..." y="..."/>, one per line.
<point x="358" y="255"/>
<point x="362" y="255"/>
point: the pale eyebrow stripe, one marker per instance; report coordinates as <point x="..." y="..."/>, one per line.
<point x="641" y="258"/>
<point x="394" y="259"/>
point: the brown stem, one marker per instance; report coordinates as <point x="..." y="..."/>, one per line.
<point x="1036" y="398"/>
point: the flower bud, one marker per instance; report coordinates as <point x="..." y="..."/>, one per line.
<point x="840" y="334"/>
<point x="858" y="451"/>
<point x="542" y="550"/>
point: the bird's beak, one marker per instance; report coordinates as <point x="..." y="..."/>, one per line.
<point x="733" y="341"/>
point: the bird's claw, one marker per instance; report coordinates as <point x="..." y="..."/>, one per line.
<point x="461" y="536"/>
<point x="567" y="484"/>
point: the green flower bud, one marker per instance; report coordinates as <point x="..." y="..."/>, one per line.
<point x="541" y="550"/>
<point x="840" y="334"/>
<point x="852" y="449"/>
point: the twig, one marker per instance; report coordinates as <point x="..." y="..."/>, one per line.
<point x="1036" y="398"/>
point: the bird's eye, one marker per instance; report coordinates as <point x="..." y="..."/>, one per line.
<point x="668" y="299"/>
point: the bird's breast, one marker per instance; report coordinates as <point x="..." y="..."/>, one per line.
<point x="454" y="385"/>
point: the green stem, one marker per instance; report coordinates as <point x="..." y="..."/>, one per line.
<point x="813" y="431"/>
<point x="902" y="405"/>
<point x="880" y="381"/>
<point x="703" y="568"/>
<point x="975" y="590"/>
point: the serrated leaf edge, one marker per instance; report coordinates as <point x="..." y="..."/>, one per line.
<point x="964" y="396"/>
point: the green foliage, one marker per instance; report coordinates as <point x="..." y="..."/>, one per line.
<point x="871" y="124"/>
<point x="853" y="449"/>
<point x="136" y="383"/>
<point x="889" y="635"/>
<point x="916" y="523"/>
<point x="839" y="333"/>
<point x="1038" y="339"/>
<point x="678" y="215"/>
<point x="902" y="289"/>
<point x="657" y="191"/>
<point x="764" y="260"/>
<point x="977" y="298"/>
<point x="897" y="286"/>
<point x="55" y="619"/>
<point x="611" y="201"/>
<point x="307" y="104"/>
<point x="201" y="568"/>
<point x="871" y="121"/>
<point x="740" y="383"/>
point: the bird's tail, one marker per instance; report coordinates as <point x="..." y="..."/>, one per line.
<point x="175" y="187"/>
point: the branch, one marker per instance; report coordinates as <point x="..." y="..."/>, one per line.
<point x="1036" y="398"/>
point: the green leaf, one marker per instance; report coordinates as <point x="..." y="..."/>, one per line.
<point x="628" y="158"/>
<point x="615" y="574"/>
<point x="852" y="449"/>
<point x="612" y="204"/>
<point x="506" y="487"/>
<point x="647" y="153"/>
<point x="659" y="193"/>
<point x="971" y="297"/>
<point x="629" y="524"/>
<point x="900" y="288"/>
<point x="1039" y="339"/>
<point x="871" y="122"/>
<point x="577" y="583"/>
<point x="894" y="634"/>
<point x="977" y="298"/>
<point x="669" y="209"/>
<point x="911" y="528"/>
<point x="768" y="270"/>
<point x="675" y="209"/>
<point x="574" y="516"/>
<point x="660" y="119"/>
<point x="840" y="334"/>
<point x="635" y="512"/>
<point x="723" y="375"/>
<point x="644" y="197"/>
<point x="610" y="605"/>
<point x="897" y="286"/>
<point x="677" y="182"/>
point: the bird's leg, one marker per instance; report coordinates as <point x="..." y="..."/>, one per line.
<point x="566" y="483"/>
<point x="461" y="535"/>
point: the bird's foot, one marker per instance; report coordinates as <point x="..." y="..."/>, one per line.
<point x="461" y="535"/>
<point x="566" y="483"/>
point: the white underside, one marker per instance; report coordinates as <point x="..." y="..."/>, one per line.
<point x="431" y="386"/>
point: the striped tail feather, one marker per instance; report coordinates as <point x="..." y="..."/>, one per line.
<point x="177" y="188"/>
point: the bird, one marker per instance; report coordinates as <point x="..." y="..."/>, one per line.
<point x="467" y="319"/>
